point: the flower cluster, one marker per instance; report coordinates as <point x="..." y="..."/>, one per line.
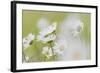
<point x="46" y="36"/>
<point x="57" y="49"/>
<point x="27" y="41"/>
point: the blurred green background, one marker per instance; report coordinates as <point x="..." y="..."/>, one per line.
<point x="30" y="19"/>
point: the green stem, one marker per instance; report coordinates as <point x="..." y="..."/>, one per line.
<point x="24" y="59"/>
<point x="52" y="50"/>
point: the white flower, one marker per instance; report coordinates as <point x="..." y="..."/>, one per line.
<point x="28" y="40"/>
<point x="27" y="58"/>
<point x="25" y="43"/>
<point x="47" y="52"/>
<point x="72" y="25"/>
<point x="30" y="37"/>
<point x="77" y="28"/>
<point x="47" y="39"/>
<point x="49" y="29"/>
<point x="71" y="28"/>
<point x="59" y="47"/>
<point x="47" y="35"/>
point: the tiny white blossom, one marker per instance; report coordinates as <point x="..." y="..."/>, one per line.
<point x="25" y="43"/>
<point x="49" y="29"/>
<point x="27" y="58"/>
<point x="30" y="37"/>
<point x="60" y="46"/>
<point x="47" y="52"/>
<point x="44" y="34"/>
<point x="77" y="28"/>
<point x="28" y="40"/>
<point x="72" y="25"/>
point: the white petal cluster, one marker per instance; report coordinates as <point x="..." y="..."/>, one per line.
<point x="70" y="29"/>
<point x="73" y="25"/>
<point x="47" y="35"/>
<point x="48" y="29"/>
<point x="57" y="49"/>
<point x="59" y="46"/>
<point x="47" y="52"/>
<point x="44" y="34"/>
<point x="27" y="40"/>
<point x="27" y="58"/>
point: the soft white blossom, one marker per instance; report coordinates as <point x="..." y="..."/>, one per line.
<point x="27" y="58"/>
<point x="59" y="46"/>
<point x="49" y="29"/>
<point x="25" y="43"/>
<point x="72" y="25"/>
<point x="77" y="28"/>
<point x="27" y="40"/>
<point x="70" y="29"/>
<point x="47" y="34"/>
<point x="30" y="37"/>
<point x="47" y="52"/>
